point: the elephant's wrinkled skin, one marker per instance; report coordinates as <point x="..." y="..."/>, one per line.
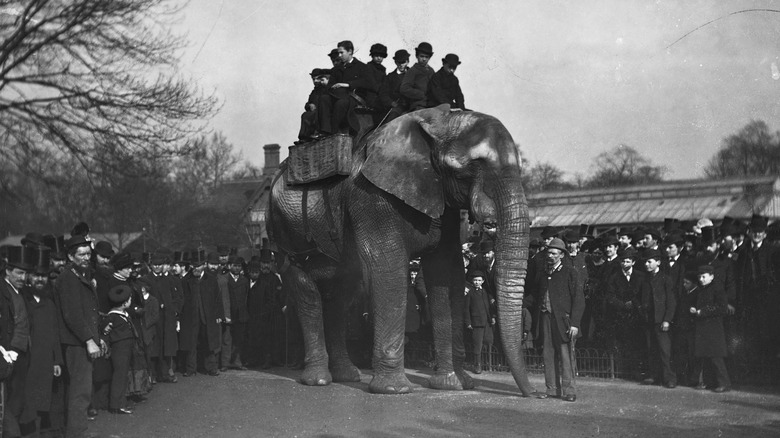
<point x="401" y="201"/>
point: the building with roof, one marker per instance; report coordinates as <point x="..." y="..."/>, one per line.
<point x="615" y="207"/>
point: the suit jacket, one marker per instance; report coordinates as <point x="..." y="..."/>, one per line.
<point x="45" y="351"/>
<point x="15" y="323"/>
<point x="76" y="299"/>
<point x="566" y="297"/>
<point x="444" y="87"/>
<point x="710" y="340"/>
<point x="202" y="303"/>
<point x="656" y="299"/>
<point x="755" y="272"/>
<point x="357" y="75"/>
<point x="224" y="293"/>
<point x="414" y="86"/>
<point x="166" y="290"/>
<point x="677" y="274"/>
<point x="390" y="90"/>
<point x="620" y="291"/>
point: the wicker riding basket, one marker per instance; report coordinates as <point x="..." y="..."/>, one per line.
<point x="320" y="159"/>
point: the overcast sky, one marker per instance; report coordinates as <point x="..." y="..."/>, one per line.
<point x="568" y="79"/>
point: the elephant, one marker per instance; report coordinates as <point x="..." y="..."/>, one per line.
<point x="402" y="199"/>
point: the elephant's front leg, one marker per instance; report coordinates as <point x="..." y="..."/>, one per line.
<point x="389" y="304"/>
<point x="335" y="304"/>
<point x="309" y="305"/>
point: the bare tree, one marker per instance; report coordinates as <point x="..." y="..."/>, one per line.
<point x="753" y="151"/>
<point x="545" y="177"/>
<point x="95" y="80"/>
<point x="623" y="165"/>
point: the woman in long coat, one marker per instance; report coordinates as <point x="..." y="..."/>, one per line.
<point x="710" y="338"/>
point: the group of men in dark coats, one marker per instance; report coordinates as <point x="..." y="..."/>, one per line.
<point x="351" y="85"/>
<point x="60" y="322"/>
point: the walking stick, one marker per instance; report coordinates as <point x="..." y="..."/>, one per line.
<point x="286" y="338"/>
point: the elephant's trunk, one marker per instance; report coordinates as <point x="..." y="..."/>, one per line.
<point x="510" y="271"/>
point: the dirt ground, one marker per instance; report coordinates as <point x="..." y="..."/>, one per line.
<point x="272" y="404"/>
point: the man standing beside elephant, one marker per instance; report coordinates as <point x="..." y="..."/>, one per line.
<point x="558" y="303"/>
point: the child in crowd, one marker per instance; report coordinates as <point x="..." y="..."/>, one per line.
<point x="711" y="307"/>
<point x="121" y="335"/>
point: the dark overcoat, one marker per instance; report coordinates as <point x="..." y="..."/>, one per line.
<point x="710" y="338"/>
<point x="414" y="86"/>
<point x="263" y="303"/>
<point x="239" y="291"/>
<point x="203" y="291"/>
<point x="445" y="88"/>
<point x="14" y="323"/>
<point x="166" y="290"/>
<point x="656" y="299"/>
<point x="45" y="352"/>
<point x="476" y="311"/>
<point x="75" y="297"/>
<point x="566" y="298"/>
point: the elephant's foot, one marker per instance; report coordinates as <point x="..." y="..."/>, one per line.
<point x="315" y="375"/>
<point x="465" y="379"/>
<point x="446" y="381"/>
<point x="345" y="373"/>
<point x="390" y="384"/>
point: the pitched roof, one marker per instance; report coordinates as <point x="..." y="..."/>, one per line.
<point x="684" y="200"/>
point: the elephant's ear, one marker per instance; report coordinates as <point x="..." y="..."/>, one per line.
<point x="399" y="159"/>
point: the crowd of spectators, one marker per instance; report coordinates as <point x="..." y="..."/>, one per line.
<point x="84" y="329"/>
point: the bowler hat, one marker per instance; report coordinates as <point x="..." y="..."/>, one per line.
<point x="758" y="223"/>
<point x="548" y="232"/>
<point x="625" y="231"/>
<point x="424" y="48"/>
<point x="119" y="293"/>
<point x="80" y="229"/>
<point x="213" y="258"/>
<point x="19" y="257"/>
<point x="628" y="253"/>
<point x="487" y="245"/>
<point x="178" y="257"/>
<point x="571" y="236"/>
<point x="223" y="250"/>
<point x="653" y="232"/>
<point x="76" y="241"/>
<point x="157" y="259"/>
<point x="236" y="260"/>
<point x="676" y="237"/>
<point x="557" y="244"/>
<point x="671" y="224"/>
<point x="401" y="56"/>
<point x="334" y="53"/>
<point x="378" y="50"/>
<point x="253" y="265"/>
<point x="609" y="239"/>
<point x="104" y="249"/>
<point x="451" y="59"/>
<point x="122" y="260"/>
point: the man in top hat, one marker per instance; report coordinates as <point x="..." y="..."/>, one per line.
<point x="414" y="87"/>
<point x="78" y="309"/>
<point x="557" y="303"/>
<point x="392" y="103"/>
<point x="478" y="316"/>
<point x="444" y="86"/>
<point x="264" y="300"/>
<point x="238" y="288"/>
<point x="352" y="76"/>
<point x="45" y="350"/>
<point x="657" y="303"/>
<point x="757" y="288"/>
<point x="166" y="342"/>
<point x="33" y="240"/>
<point x="15" y="334"/>
<point x="201" y="317"/>
<point x="58" y="253"/>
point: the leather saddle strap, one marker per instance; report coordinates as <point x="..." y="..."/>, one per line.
<point x="332" y="230"/>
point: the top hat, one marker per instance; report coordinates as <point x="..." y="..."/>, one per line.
<point x="707" y="235"/>
<point x="758" y="223"/>
<point x="213" y="258"/>
<point x="20" y="257"/>
<point x="401" y="56"/>
<point x="451" y="59"/>
<point x="671" y="224"/>
<point x="198" y="257"/>
<point x="178" y="257"/>
<point x="378" y="50"/>
<point x="235" y="260"/>
<point x="487" y="245"/>
<point x="585" y="230"/>
<point x="33" y="240"/>
<point x="57" y="245"/>
<point x="424" y="48"/>
<point x="676" y="237"/>
<point x="40" y="260"/>
<point x="80" y="229"/>
<point x="557" y="244"/>
<point x="223" y="250"/>
<point x="104" y="249"/>
<point x="157" y="259"/>
<point x="265" y="255"/>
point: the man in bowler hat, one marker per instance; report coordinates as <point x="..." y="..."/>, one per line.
<point x="414" y="87"/>
<point x="392" y="103"/>
<point x="444" y="86"/>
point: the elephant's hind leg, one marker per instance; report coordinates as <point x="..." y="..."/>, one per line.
<point x="341" y="367"/>
<point x="309" y="304"/>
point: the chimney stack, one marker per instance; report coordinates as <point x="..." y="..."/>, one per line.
<point x="271" y="158"/>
